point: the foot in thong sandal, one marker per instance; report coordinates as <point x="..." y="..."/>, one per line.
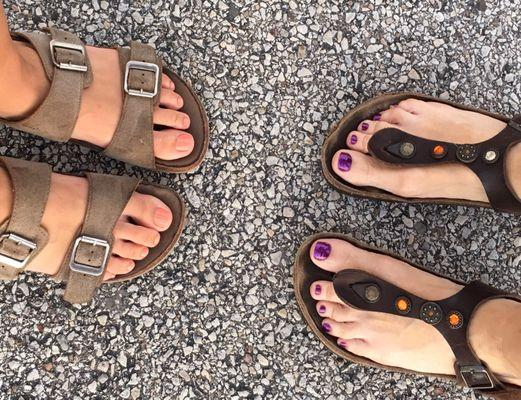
<point x="376" y="307"/>
<point x="170" y="127"/>
<point x="42" y="214"/>
<point x="372" y="158"/>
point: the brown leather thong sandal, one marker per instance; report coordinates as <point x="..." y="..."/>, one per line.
<point x="67" y="66"/>
<point x="485" y="159"/>
<point x="450" y="316"/>
<point x="22" y="237"/>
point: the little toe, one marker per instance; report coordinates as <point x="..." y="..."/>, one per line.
<point x="129" y="250"/>
<point x="118" y="266"/>
<point x="324" y="290"/>
<point x="356" y="346"/>
<point x="396" y="116"/>
<point x="368" y="126"/>
<point x="138" y="234"/>
<point x="148" y="211"/>
<point x="170" y="99"/>
<point x="412" y="106"/>
<point x="344" y="330"/>
<point x="358" y="141"/>
<point x="172" y="144"/>
<point x="171" y="118"/>
<point x="167" y="83"/>
<point x="335" y="311"/>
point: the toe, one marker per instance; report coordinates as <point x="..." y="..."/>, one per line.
<point x="358" y="141"/>
<point x="368" y="126"/>
<point x="167" y="83"/>
<point x="170" y="99"/>
<point x="148" y="211"/>
<point x="337" y="312"/>
<point x="412" y="106"/>
<point x="344" y="330"/>
<point x="324" y="290"/>
<point x="171" y="118"/>
<point x="136" y="233"/>
<point x="396" y="116"/>
<point x="356" y="346"/>
<point x="172" y="144"/>
<point x="118" y="266"/>
<point x="129" y="250"/>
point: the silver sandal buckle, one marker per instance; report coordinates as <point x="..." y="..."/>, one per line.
<point x="86" y="269"/>
<point x="141" y="66"/>
<point x="55" y="44"/>
<point x="476" y="377"/>
<point x="19" y="241"/>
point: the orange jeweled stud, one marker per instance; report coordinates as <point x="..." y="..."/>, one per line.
<point x="455" y="319"/>
<point x="439" y="151"/>
<point x="403" y="305"/>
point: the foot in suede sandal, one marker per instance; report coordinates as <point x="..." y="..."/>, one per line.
<point x="122" y="101"/>
<point x="376" y="309"/>
<point x="85" y="230"/>
<point x="410" y="147"/>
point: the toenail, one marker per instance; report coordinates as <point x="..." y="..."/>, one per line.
<point x="365" y="126"/>
<point x="156" y="240"/>
<point x="322" y="250"/>
<point x="344" y="162"/>
<point x="322" y="309"/>
<point x="353" y="139"/>
<point x="326" y="327"/>
<point x="377" y="117"/>
<point x="184" y="142"/>
<point x="172" y="85"/>
<point x="318" y="289"/>
<point x="162" y="218"/>
<point x="144" y="253"/>
<point x="342" y="343"/>
<point x="186" y="121"/>
<point x="393" y="106"/>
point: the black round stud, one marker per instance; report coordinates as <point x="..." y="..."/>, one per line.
<point x="491" y="156"/>
<point x="467" y="153"/>
<point x="372" y="293"/>
<point x="455" y="319"/>
<point x="407" y="149"/>
<point x="431" y="313"/>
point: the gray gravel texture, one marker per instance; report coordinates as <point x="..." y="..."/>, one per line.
<point x="218" y="319"/>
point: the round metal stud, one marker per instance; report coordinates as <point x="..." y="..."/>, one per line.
<point x="467" y="153"/>
<point x="491" y="156"/>
<point x="372" y="293"/>
<point x="431" y="313"/>
<point x="455" y="319"/>
<point x="407" y="149"/>
<point x="439" y="151"/>
<point x="403" y="305"/>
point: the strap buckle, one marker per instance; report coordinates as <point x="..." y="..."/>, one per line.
<point x="11" y="261"/>
<point x="141" y="66"/>
<point x="87" y="269"/>
<point x="55" y="44"/>
<point x="476" y="377"/>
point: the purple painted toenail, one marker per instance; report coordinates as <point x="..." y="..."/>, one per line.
<point x="377" y="117"/>
<point x="354" y="139"/>
<point x="322" y="250"/>
<point x="342" y="343"/>
<point x="326" y="327"/>
<point x="344" y="162"/>
<point x="365" y="126"/>
<point x="318" y="290"/>
<point x="322" y="309"/>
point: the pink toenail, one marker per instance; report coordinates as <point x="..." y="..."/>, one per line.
<point x="144" y="253"/>
<point x="162" y="218"/>
<point x="184" y="142"/>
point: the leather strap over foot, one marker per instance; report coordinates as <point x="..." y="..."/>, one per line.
<point x="450" y="316"/>
<point x="486" y="159"/>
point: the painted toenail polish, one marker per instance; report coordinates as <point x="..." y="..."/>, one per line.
<point x="322" y="309"/>
<point x="353" y="139"/>
<point x="162" y="218"/>
<point x="344" y="162"/>
<point x="377" y="117"/>
<point x="342" y="343"/>
<point x="365" y="126"/>
<point x="321" y="251"/>
<point x="318" y="290"/>
<point x="326" y="327"/>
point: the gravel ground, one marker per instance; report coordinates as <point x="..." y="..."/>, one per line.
<point x="218" y="319"/>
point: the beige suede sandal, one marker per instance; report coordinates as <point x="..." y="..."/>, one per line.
<point x="22" y="237"/>
<point x="68" y="68"/>
<point x="363" y="291"/>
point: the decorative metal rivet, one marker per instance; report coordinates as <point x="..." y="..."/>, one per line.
<point x="431" y="313"/>
<point x="491" y="156"/>
<point x="372" y="293"/>
<point x="403" y="305"/>
<point x="455" y="319"/>
<point x="407" y="150"/>
<point x="439" y="151"/>
<point x="467" y="153"/>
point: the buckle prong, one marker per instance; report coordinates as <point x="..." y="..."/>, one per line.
<point x="20" y="241"/>
<point x="141" y="66"/>
<point x="85" y="268"/>
<point x="55" y="44"/>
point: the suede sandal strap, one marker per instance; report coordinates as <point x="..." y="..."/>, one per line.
<point x="88" y="256"/>
<point x="141" y="72"/>
<point x="450" y="316"/>
<point x="67" y="67"/>
<point x="486" y="159"/>
<point x="22" y="237"/>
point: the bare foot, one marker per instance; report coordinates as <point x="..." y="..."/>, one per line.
<point x="429" y="120"/>
<point x="135" y="233"/>
<point x="22" y="74"/>
<point x="392" y="340"/>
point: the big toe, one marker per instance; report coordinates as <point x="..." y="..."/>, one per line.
<point x="172" y="144"/>
<point x="148" y="211"/>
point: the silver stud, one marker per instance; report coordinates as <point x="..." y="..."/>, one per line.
<point x="372" y="293"/>
<point x="407" y="149"/>
<point x="491" y="156"/>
